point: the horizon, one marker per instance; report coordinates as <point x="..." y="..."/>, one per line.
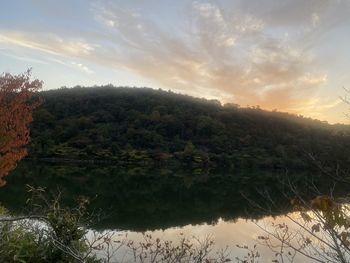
<point x="287" y="55"/>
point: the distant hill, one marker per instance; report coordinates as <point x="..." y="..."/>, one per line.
<point x="142" y="125"/>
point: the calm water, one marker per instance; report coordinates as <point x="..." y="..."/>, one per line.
<point x="226" y="235"/>
<point x="166" y="203"/>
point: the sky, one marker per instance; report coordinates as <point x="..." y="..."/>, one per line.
<point x="288" y="55"/>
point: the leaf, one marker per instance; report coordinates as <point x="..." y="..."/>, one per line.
<point x="315" y="228"/>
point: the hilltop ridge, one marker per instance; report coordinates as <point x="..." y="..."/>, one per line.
<point x="154" y="126"/>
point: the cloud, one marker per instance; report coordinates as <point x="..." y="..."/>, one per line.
<point x="8" y="53"/>
<point x="297" y="13"/>
<point x="229" y="55"/>
<point x="48" y="43"/>
<point x="249" y="53"/>
<point x="82" y="67"/>
<point x="316" y="107"/>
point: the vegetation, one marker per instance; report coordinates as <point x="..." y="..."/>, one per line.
<point x="318" y="230"/>
<point x="16" y="107"/>
<point x="56" y="233"/>
<point x="51" y="233"/>
<point x="145" y="126"/>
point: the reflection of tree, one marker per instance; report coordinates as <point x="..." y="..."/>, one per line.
<point x="16" y="106"/>
<point x="126" y="193"/>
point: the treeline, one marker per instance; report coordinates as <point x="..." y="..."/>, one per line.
<point x="156" y="127"/>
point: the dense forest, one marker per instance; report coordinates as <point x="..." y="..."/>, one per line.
<point x="156" y="127"/>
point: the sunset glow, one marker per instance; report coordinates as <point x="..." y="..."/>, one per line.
<point x="289" y="55"/>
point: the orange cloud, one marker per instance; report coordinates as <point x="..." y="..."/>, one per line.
<point x="250" y="55"/>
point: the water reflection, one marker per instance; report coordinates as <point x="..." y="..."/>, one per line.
<point x="167" y="203"/>
<point x="147" y="199"/>
<point x="226" y="235"/>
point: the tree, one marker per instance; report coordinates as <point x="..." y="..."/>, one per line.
<point x="321" y="229"/>
<point x="317" y="229"/>
<point x="17" y="102"/>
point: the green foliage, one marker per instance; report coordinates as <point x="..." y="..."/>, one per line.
<point x="57" y="234"/>
<point x="107" y="123"/>
<point x="3" y="211"/>
<point x="54" y="234"/>
<point x="18" y="243"/>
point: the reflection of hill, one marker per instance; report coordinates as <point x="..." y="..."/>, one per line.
<point x="138" y="199"/>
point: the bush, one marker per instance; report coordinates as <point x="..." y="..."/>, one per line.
<point x="53" y="234"/>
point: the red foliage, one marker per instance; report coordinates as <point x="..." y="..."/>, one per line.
<point x="17" y="102"/>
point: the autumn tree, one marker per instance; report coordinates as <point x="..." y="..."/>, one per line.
<point x="17" y="102"/>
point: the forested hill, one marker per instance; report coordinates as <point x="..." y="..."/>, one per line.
<point x="141" y="125"/>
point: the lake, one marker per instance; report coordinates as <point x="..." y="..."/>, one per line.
<point x="168" y="203"/>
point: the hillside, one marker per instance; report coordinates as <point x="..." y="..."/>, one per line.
<point x="156" y="127"/>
